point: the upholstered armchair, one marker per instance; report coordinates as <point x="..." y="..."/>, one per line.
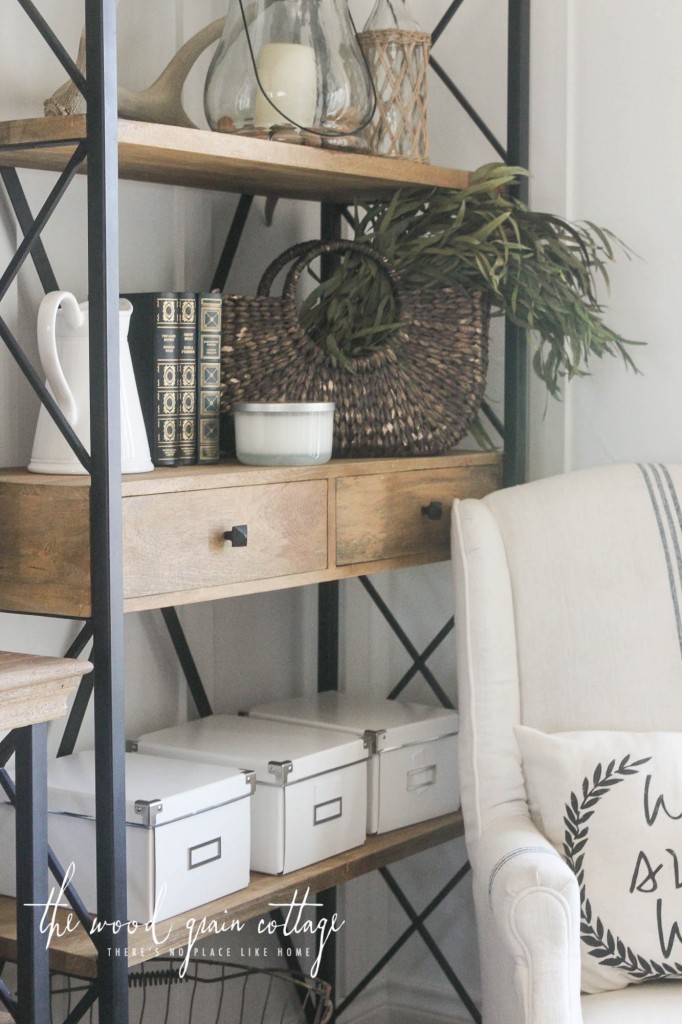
<point x="568" y="607"/>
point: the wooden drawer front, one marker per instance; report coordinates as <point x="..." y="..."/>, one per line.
<point x="45" y="549"/>
<point x="175" y="541"/>
<point x="380" y="517"/>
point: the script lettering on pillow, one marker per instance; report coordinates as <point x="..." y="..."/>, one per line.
<point x="611" y="804"/>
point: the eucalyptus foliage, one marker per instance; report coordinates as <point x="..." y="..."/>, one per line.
<point x="540" y="271"/>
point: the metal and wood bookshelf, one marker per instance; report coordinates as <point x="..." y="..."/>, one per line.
<point x="97" y="583"/>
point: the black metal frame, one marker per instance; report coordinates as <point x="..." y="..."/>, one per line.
<point x="106" y="623"/>
<point x="31" y="849"/>
<point x="516" y="362"/>
<point x="103" y="463"/>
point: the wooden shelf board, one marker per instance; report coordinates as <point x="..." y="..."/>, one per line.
<point x="74" y="953"/>
<point x="231" y="473"/>
<point x="191" y="157"/>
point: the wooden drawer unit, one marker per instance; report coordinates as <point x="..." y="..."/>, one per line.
<point x="403" y="514"/>
<point x="175" y="542"/>
<point x="306" y="524"/>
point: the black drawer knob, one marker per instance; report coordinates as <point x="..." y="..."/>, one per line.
<point x="238" y="536"/>
<point x="434" y="510"/>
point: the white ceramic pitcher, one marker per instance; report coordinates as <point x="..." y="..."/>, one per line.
<point x="65" y="358"/>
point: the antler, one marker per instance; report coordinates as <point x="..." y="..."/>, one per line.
<point x="162" y="101"/>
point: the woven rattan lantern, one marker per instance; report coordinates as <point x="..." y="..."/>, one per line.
<point x="397" y="53"/>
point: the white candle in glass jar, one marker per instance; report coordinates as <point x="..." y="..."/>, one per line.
<point x="288" y="74"/>
<point x="284" y="433"/>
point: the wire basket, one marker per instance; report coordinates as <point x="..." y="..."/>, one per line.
<point x="210" y="992"/>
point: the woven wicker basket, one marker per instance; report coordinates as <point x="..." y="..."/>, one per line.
<point x="415" y="396"/>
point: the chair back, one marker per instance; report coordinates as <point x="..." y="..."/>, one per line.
<point x="570" y="598"/>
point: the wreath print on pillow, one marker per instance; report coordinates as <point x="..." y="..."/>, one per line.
<point x="611" y="805"/>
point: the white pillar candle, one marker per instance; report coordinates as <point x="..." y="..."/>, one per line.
<point x="287" y="73"/>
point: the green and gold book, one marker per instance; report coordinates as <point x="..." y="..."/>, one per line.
<point x="209" y="319"/>
<point x="187" y="383"/>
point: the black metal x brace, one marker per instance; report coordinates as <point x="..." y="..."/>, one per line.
<point x="445" y="20"/>
<point x="454" y="90"/>
<point x="417" y="920"/>
<point x="17" y="198"/>
<point x="187" y="663"/>
<point x="83" y="1005"/>
<point x="468" y="107"/>
<point x="402" y="938"/>
<point x="423" y="658"/>
<point x="418" y="925"/>
<point x="49" y="206"/>
<point x="83" y="694"/>
<point x="418" y="659"/>
<point x="232" y="241"/>
<point x="8" y="1000"/>
<point x="71" y="68"/>
<point x="31" y="245"/>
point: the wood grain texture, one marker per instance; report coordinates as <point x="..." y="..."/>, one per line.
<point x="380" y="517"/>
<point x="269" y="584"/>
<point x="44" y="548"/>
<point x="202" y="159"/>
<point x="174" y="520"/>
<point x="74" y="953"/>
<point x="230" y="473"/>
<point x="34" y="688"/>
<point x="175" y="541"/>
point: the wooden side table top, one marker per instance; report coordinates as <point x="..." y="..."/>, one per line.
<point x="35" y="688"/>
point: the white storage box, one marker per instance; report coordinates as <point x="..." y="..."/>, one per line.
<point x="311" y="786"/>
<point x="187" y="832"/>
<point x="412" y="770"/>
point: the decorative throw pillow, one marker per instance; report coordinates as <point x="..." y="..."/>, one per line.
<point x="611" y="805"/>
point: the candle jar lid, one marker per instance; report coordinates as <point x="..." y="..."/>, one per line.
<point x="284" y="407"/>
<point x="283" y="433"/>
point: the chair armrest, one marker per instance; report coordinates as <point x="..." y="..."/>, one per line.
<point x="528" y="899"/>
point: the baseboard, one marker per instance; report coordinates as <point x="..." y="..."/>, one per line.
<point x="404" y="1003"/>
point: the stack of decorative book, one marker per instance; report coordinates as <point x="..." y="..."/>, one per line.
<point x="174" y="340"/>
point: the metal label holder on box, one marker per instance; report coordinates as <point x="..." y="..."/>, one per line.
<point x="311" y="787"/>
<point x="412" y="766"/>
<point x="188" y="839"/>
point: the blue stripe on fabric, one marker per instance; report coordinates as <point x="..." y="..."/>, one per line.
<point x="666" y="550"/>
<point x="518" y="852"/>
<point x="656" y="471"/>
<point x="673" y="492"/>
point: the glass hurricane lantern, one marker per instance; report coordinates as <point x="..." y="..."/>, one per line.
<point x="290" y="70"/>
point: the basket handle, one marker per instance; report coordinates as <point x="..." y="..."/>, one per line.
<point x="305" y="252"/>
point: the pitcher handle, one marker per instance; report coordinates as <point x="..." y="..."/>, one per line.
<point x="47" y="347"/>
